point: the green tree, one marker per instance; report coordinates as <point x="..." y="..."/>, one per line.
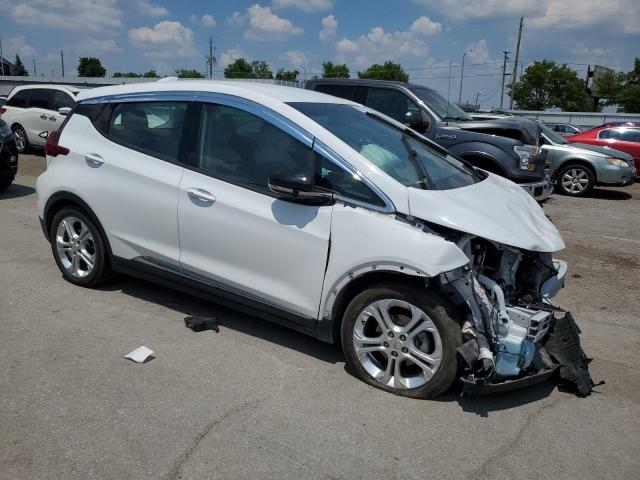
<point x="150" y="74"/>
<point x="18" y="68"/>
<point x="289" y="75"/>
<point x="261" y="69"/>
<point x="90" y="67"/>
<point x="387" y="71"/>
<point x="239" y="69"/>
<point x="547" y="84"/>
<point x="622" y="89"/>
<point x="339" y="70"/>
<point x="126" y="75"/>
<point x="185" y="73"/>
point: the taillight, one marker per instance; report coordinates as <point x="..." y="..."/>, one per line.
<point x="2" y="110"/>
<point x="52" y="148"/>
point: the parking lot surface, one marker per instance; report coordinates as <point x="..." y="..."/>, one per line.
<point x="259" y="401"/>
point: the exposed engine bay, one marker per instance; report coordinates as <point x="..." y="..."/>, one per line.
<point x="513" y="336"/>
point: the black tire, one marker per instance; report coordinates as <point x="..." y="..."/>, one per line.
<point x="581" y="172"/>
<point x="5" y="182"/>
<point x="20" y="131"/>
<point x="101" y="271"/>
<point x="448" y="330"/>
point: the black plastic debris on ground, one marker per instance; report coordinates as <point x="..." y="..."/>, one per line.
<point x="564" y="347"/>
<point x="200" y="324"/>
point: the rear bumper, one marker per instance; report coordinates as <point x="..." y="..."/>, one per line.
<point x="541" y="190"/>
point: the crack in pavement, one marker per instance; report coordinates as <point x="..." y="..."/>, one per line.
<point x="494" y="459"/>
<point x="175" y="472"/>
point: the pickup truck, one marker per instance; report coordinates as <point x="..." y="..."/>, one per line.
<point x="509" y="147"/>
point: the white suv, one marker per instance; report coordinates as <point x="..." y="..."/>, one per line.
<point x="316" y="213"/>
<point x="31" y="110"/>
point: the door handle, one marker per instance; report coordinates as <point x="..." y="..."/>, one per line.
<point x="43" y="116"/>
<point x="201" y="195"/>
<point x="93" y="160"/>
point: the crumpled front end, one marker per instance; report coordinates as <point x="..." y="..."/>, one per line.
<point x="513" y="336"/>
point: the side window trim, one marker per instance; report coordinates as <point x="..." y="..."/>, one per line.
<point x="321" y="149"/>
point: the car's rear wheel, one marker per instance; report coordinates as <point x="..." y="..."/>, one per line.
<point x="401" y="340"/>
<point x="575" y="180"/>
<point x="20" y="136"/>
<point x="78" y="248"/>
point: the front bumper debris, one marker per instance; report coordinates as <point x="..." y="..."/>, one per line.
<point x="561" y="353"/>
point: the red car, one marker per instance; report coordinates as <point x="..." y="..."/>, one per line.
<point x="625" y="139"/>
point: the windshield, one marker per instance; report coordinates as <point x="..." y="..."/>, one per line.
<point x="555" y="138"/>
<point x="396" y="152"/>
<point x="444" y="109"/>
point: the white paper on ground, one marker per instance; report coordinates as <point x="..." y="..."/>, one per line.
<point x="140" y="354"/>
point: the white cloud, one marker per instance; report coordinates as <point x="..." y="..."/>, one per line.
<point x="86" y="15"/>
<point x="148" y="9"/>
<point x="93" y="46"/>
<point x="478" y="53"/>
<point x="304" y="5"/>
<point x="295" y="58"/>
<point x="379" y="45"/>
<point x="264" y="25"/>
<point x="329" y="28"/>
<point x="236" y="19"/>
<point x="208" y="21"/>
<point x="231" y="56"/>
<point x="424" y="26"/>
<point x="18" y="45"/>
<point x="167" y="39"/>
<point x="559" y="14"/>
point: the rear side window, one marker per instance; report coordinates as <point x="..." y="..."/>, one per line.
<point x="41" y="98"/>
<point x="62" y="99"/>
<point x="348" y="92"/>
<point x="154" y="128"/>
<point x="393" y="103"/>
<point x="20" y="99"/>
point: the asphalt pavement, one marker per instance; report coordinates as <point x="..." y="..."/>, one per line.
<point x="257" y="401"/>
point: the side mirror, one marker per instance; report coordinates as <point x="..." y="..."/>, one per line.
<point x="417" y="120"/>
<point x="64" y="111"/>
<point x="44" y="134"/>
<point x="295" y="184"/>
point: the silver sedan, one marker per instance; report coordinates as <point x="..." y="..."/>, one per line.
<point x="576" y="168"/>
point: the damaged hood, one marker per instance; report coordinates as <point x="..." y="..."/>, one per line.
<point x="495" y="208"/>
<point x="529" y="131"/>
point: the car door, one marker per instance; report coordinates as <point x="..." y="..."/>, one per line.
<point x="237" y="236"/>
<point x="130" y="177"/>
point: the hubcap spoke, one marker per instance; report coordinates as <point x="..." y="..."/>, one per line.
<point x="75" y="247"/>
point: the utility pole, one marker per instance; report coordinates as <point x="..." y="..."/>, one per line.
<point x="1" y="58"/>
<point x="515" y="64"/>
<point x="477" y="99"/>
<point x="504" y="74"/>
<point x="211" y="61"/>
<point x="62" y="62"/>
<point x="35" y="74"/>
<point x="461" y="77"/>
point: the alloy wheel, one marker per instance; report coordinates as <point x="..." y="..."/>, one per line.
<point x="75" y="247"/>
<point x="397" y="344"/>
<point x="21" y="139"/>
<point x="575" y="180"/>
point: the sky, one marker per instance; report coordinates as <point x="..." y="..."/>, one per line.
<point x="424" y="36"/>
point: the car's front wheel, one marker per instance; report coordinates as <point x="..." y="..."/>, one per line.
<point x="576" y="180"/>
<point x="401" y="340"/>
<point x="78" y="248"/>
<point x="20" y="136"/>
<point x="6" y="182"/>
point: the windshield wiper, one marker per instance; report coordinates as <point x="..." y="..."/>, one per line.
<point x="446" y="119"/>
<point x="414" y="158"/>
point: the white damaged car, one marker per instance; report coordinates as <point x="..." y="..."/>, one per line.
<point x="319" y="214"/>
